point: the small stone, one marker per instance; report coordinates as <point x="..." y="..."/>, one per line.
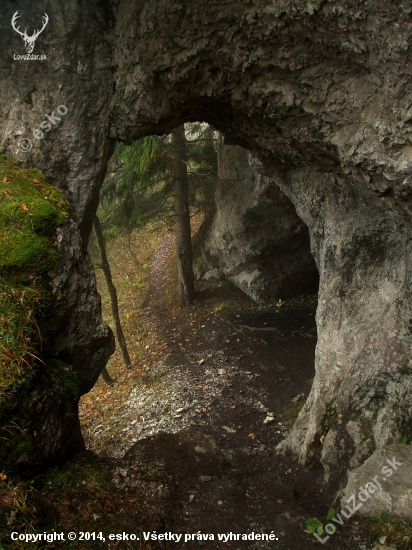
<point x="221" y="371"/>
<point x="191" y="497"/>
<point x="268" y="420"/>
<point x="229" y="430"/>
<point x="220" y="502"/>
<point x="205" y="479"/>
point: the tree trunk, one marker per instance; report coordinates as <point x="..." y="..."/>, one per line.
<point x="182" y="214"/>
<point x="112" y="292"/>
<point x="106" y="377"/>
<point x="131" y="252"/>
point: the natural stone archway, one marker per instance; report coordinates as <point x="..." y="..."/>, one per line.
<point x="319" y="91"/>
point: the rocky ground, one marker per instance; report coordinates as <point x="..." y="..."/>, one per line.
<point x="198" y="431"/>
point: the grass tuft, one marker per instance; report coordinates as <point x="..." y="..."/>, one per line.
<point x="398" y="532"/>
<point x="19" y="339"/>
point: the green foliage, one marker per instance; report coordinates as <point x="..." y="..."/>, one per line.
<point x="313" y="525"/>
<point x="331" y="514"/>
<point x="19" y="338"/>
<point x="139" y="186"/>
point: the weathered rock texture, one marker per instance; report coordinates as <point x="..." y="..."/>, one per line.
<point x="319" y="90"/>
<point x="255" y="238"/>
<point x="391" y="492"/>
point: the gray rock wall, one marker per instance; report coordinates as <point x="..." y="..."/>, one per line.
<point x="319" y="91"/>
<point x="255" y="238"/>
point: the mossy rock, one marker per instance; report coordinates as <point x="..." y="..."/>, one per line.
<point x="30" y="212"/>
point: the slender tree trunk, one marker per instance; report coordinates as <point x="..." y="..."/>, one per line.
<point x="131" y="252"/>
<point x="183" y="233"/>
<point x="106" y="377"/>
<point x="112" y="292"/>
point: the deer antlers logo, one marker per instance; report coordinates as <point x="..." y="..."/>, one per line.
<point x="29" y="41"/>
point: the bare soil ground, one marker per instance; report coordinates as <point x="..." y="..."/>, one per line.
<point x="195" y="425"/>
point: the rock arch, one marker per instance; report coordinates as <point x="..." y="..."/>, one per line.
<point x="319" y="91"/>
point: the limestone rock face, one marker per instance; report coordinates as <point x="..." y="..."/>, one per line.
<point x="391" y="492"/>
<point x="319" y="91"/>
<point x="255" y="239"/>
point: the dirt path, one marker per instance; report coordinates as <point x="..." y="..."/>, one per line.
<point x="207" y="418"/>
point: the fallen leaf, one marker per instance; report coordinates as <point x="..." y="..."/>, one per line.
<point x="251" y="435"/>
<point x="24" y="207"/>
<point x="233" y="406"/>
<point x="322" y="439"/>
<point x="256" y="374"/>
<point x="204" y="410"/>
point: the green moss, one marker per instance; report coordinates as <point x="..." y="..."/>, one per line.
<point x="30" y="212"/>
